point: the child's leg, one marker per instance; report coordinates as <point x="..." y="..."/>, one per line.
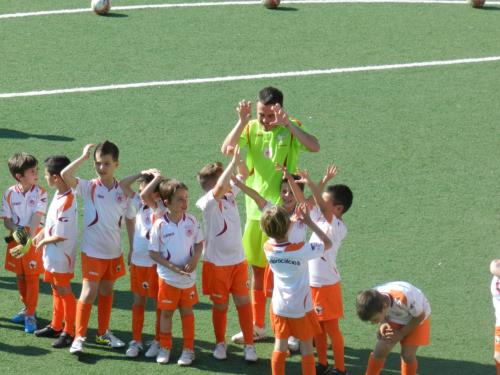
<point x="279" y="357"/>
<point x="32" y="288"/>
<point x="377" y="357"/>
<point x="320" y="340"/>
<point x="138" y="316"/>
<point x="57" y="310"/>
<point x="331" y="327"/>
<point x="157" y="325"/>
<point x="84" y="306"/>
<point x="409" y="362"/>
<point x="166" y="328"/>
<point x="258" y="297"/>
<point x="307" y="352"/>
<point x="187" y="318"/>
<point x="245" y="317"/>
<point x="104" y="305"/>
<point x="21" y="287"/>
<point x="69" y="308"/>
<point x="219" y="321"/>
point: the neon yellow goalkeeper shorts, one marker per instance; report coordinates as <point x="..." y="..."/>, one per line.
<point x="253" y="243"/>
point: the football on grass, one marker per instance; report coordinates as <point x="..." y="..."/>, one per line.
<point x="101" y="6"/>
<point x="477" y="3"/>
<point x="271" y="4"/>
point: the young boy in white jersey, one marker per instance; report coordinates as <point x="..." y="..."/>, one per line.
<point x="403" y="314"/>
<point x="144" y="210"/>
<point x="58" y="241"/>
<point x="324" y="277"/>
<point x="495" y="294"/>
<point x="291" y="308"/>
<point x="176" y="244"/>
<point x="23" y="207"/>
<point x="105" y="204"/>
<point x="225" y="270"/>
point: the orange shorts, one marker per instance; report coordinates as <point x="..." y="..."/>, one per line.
<point x="327" y="302"/>
<point x="497" y="339"/>
<point x="30" y="263"/>
<point x="144" y="281"/>
<point x="268" y="282"/>
<point x="170" y="297"/>
<point x="420" y="336"/>
<point x="304" y="328"/>
<point x="220" y="281"/>
<point x="96" y="269"/>
<point x="58" y="279"/>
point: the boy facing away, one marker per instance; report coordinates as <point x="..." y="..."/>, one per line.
<point x="23" y="207"/>
<point x="403" y="314"/>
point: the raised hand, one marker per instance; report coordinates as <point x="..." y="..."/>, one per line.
<point x="280" y="117"/>
<point x="244" y="110"/>
<point x="304" y="176"/>
<point x="331" y="172"/>
<point x="86" y="151"/>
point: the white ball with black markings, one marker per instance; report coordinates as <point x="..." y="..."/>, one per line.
<point x="101" y="6"/>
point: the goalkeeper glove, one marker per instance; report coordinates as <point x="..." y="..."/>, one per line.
<point x="20" y="250"/>
<point x="21" y="235"/>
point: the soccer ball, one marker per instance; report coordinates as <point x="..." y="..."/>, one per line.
<point x="271" y="4"/>
<point x="101" y="6"/>
<point x="477" y="3"/>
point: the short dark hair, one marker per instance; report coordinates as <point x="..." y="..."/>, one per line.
<point x="146" y="178"/>
<point x="168" y="188"/>
<point x="271" y="95"/>
<point x="56" y="163"/>
<point x="341" y="194"/>
<point x="107" y="148"/>
<point x="296" y="177"/>
<point x="369" y="303"/>
<point x="20" y="162"/>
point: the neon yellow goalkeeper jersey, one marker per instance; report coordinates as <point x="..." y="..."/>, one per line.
<point x="265" y="149"/>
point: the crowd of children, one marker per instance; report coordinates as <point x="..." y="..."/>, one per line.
<point x="166" y="243"/>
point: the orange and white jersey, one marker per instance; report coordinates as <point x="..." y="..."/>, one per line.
<point x="20" y="207"/>
<point x="298" y="230"/>
<point x="407" y="301"/>
<point x="103" y="213"/>
<point x="144" y="218"/>
<point x="61" y="221"/>
<point x="223" y="246"/>
<point x="175" y="242"/>
<point x="324" y="271"/>
<point x="495" y="294"/>
<point x="289" y="263"/>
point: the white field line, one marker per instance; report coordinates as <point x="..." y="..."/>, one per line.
<point x="227" y="3"/>
<point x="247" y="77"/>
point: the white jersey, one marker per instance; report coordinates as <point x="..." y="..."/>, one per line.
<point x="407" y="301"/>
<point x="20" y="207"/>
<point x="298" y="230"/>
<point x="289" y="263"/>
<point x="103" y="213"/>
<point x="324" y="271"/>
<point x="175" y="242"/>
<point x="223" y="246"/>
<point x="61" y="222"/>
<point x="495" y="294"/>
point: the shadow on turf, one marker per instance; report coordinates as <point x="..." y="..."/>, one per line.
<point x="490" y="7"/>
<point x="116" y="15"/>
<point x="287" y="9"/>
<point x="16" y="134"/>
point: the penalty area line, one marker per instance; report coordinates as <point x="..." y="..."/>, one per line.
<point x="303" y="73"/>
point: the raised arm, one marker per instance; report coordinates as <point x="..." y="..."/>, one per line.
<point x="316" y="192"/>
<point x="151" y="187"/>
<point x="306" y="219"/>
<point x="259" y="200"/>
<point x="223" y="183"/>
<point x="126" y="183"/>
<point x="296" y="191"/>
<point x="68" y="173"/>
<point x="244" y="110"/>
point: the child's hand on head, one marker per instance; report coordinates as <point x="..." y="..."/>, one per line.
<point x="86" y="151"/>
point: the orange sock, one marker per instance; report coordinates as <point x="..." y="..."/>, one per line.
<point x="259" y="308"/>
<point x="21" y="287"/>
<point x="157" y="325"/>
<point x="219" y="321"/>
<point x="498" y="367"/>
<point x="278" y="363"/>
<point x="32" y="285"/>
<point x="245" y="317"/>
<point x="104" y="306"/>
<point x="137" y="322"/>
<point x="375" y="366"/>
<point x="57" y="311"/>
<point x="321" y="347"/>
<point x="166" y="340"/>
<point x="409" y="368"/>
<point x="308" y="366"/>
<point x="331" y="327"/>
<point x="188" y="331"/>
<point x="69" y="307"/>
<point x="82" y="318"/>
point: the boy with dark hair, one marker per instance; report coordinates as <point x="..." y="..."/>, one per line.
<point x="105" y="204"/>
<point x="403" y="314"/>
<point x="58" y="241"/>
<point x="272" y="138"/>
<point x="23" y="207"/>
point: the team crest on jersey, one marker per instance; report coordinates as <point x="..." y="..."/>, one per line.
<point x="32" y="264"/>
<point x="145" y="285"/>
<point x="119" y="197"/>
<point x="268" y="153"/>
<point x="31" y="202"/>
<point x="189" y="231"/>
<point x="318" y="309"/>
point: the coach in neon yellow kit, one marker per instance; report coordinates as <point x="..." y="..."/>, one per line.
<point x="273" y="138"/>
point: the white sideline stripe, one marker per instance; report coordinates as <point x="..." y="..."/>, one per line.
<point x="225" y="3"/>
<point x="303" y="73"/>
